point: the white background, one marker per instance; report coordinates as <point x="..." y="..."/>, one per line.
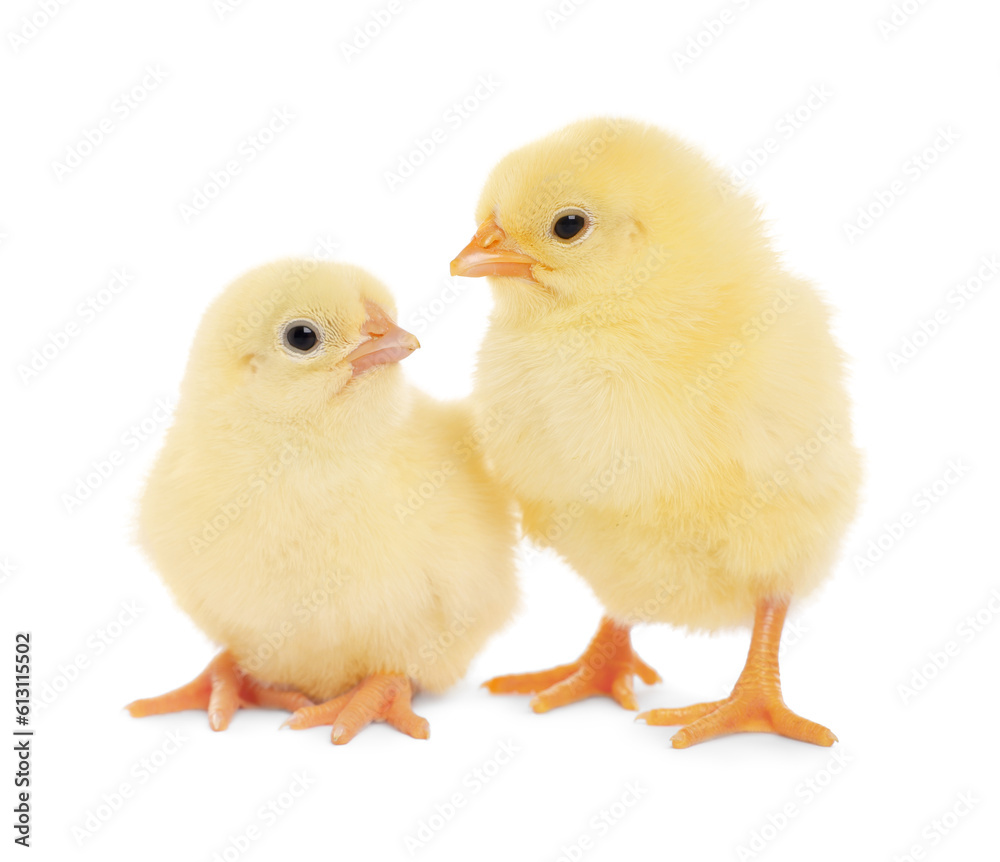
<point x="68" y="569"/>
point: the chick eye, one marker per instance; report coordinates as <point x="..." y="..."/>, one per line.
<point x="569" y="224"/>
<point x="301" y="337"/>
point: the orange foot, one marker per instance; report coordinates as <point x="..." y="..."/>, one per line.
<point x="220" y="689"/>
<point x="380" y="697"/>
<point x="755" y="705"/>
<point x="605" y="668"/>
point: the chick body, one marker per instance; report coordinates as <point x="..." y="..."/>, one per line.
<point x="667" y="401"/>
<point x="671" y="512"/>
<point x="324" y="531"/>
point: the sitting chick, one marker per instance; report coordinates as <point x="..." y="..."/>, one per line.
<point x="328" y="524"/>
<point x="672" y="413"/>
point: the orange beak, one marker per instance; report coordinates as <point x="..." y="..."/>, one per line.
<point x="492" y="253"/>
<point x="386" y="342"/>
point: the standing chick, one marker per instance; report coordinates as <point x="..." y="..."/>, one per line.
<point x="668" y="407"/>
<point x="329" y="525"/>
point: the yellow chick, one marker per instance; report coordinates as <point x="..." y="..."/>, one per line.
<point x="667" y="406"/>
<point x="332" y="527"/>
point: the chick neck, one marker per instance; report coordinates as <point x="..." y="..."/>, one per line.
<point x="346" y="431"/>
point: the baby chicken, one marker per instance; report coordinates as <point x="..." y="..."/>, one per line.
<point x="668" y="407"/>
<point x="329" y="525"/>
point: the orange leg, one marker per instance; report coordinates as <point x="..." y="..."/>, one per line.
<point x="221" y="689"/>
<point x="756" y="704"/>
<point x="606" y="668"/>
<point x="380" y="697"/>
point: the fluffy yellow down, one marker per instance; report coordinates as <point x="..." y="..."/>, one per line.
<point x="320" y="527"/>
<point x="667" y="403"/>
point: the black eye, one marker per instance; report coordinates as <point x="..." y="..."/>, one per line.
<point x="569" y="224"/>
<point x="301" y="336"/>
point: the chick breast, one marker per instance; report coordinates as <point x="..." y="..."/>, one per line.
<point x="317" y="568"/>
<point x="679" y="495"/>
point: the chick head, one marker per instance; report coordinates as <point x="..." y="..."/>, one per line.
<point x="572" y="216"/>
<point x="295" y="338"/>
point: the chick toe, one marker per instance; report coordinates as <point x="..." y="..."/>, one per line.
<point x="194" y="695"/>
<point x="606" y="668"/>
<point x="530" y="683"/>
<point x="756" y="704"/>
<point x="745" y="712"/>
<point x="254" y="693"/>
<point x="221" y="689"/>
<point x="380" y="697"/>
